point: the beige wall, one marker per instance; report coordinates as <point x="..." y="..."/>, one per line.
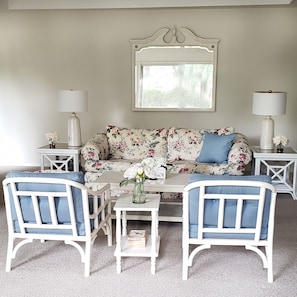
<point x="42" y="52"/>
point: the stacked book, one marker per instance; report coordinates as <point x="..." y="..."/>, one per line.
<point x="137" y="238"/>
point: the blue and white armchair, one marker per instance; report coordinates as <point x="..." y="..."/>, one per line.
<point x="55" y="206"/>
<point x="230" y="211"/>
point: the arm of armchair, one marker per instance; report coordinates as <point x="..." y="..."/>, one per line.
<point x="96" y="148"/>
<point x="240" y="152"/>
<point x="100" y="213"/>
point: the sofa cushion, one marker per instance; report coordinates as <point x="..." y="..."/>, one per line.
<point x="204" y="168"/>
<point x="102" y="166"/>
<point x="215" y="148"/>
<point x="136" y="144"/>
<point x="186" y="144"/>
<point x="211" y="206"/>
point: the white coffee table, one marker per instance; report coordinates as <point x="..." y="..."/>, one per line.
<point x="124" y="204"/>
<point x="170" y="211"/>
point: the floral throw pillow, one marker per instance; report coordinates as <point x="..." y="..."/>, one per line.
<point x="136" y="144"/>
<point x="186" y="144"/>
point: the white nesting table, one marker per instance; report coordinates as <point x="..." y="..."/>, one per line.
<point x="124" y="204"/>
<point x="282" y="167"/>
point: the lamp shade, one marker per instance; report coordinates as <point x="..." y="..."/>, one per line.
<point x="269" y="103"/>
<point x="72" y="101"/>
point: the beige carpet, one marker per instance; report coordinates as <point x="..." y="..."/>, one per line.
<point x="54" y="269"/>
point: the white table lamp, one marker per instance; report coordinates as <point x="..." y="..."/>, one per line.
<point x="73" y="101"/>
<point x="268" y="103"/>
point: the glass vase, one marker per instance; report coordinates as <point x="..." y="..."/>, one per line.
<point x="52" y="145"/>
<point x="138" y="193"/>
<point x="279" y="148"/>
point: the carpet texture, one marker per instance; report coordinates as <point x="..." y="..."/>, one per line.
<point x="54" y="269"/>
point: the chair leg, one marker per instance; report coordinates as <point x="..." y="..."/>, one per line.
<point x="87" y="257"/>
<point x="9" y="253"/>
<point x="185" y="261"/>
<point x="109" y="240"/>
<point x="109" y="232"/>
<point x="269" y="255"/>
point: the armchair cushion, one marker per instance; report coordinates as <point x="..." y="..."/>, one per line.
<point x="61" y="203"/>
<point x="215" y="148"/>
<point x="250" y="207"/>
<point x="75" y="176"/>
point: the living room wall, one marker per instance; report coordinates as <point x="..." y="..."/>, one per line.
<point x="42" y="52"/>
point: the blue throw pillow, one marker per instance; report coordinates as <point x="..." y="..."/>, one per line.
<point x="215" y="148"/>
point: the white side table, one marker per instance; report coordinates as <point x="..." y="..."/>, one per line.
<point x="124" y="204"/>
<point x="60" y="157"/>
<point x="282" y="167"/>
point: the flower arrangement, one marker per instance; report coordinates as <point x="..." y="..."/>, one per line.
<point x="149" y="168"/>
<point x="52" y="137"/>
<point x="280" y="140"/>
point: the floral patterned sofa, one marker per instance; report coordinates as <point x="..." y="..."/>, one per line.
<point x="117" y="148"/>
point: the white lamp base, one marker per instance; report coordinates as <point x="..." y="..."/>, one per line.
<point x="74" y="135"/>
<point x="267" y="134"/>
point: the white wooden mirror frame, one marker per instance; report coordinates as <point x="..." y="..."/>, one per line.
<point x="174" y="47"/>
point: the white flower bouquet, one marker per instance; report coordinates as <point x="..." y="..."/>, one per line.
<point x="52" y="138"/>
<point x="149" y="168"/>
<point x="280" y="140"/>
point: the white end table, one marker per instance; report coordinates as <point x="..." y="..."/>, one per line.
<point x="124" y="204"/>
<point x="282" y="167"/>
<point x="60" y="157"/>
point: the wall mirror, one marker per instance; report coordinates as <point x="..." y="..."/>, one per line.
<point x="174" y="70"/>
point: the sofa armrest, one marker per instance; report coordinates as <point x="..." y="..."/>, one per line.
<point x="96" y="148"/>
<point x="240" y="152"/>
